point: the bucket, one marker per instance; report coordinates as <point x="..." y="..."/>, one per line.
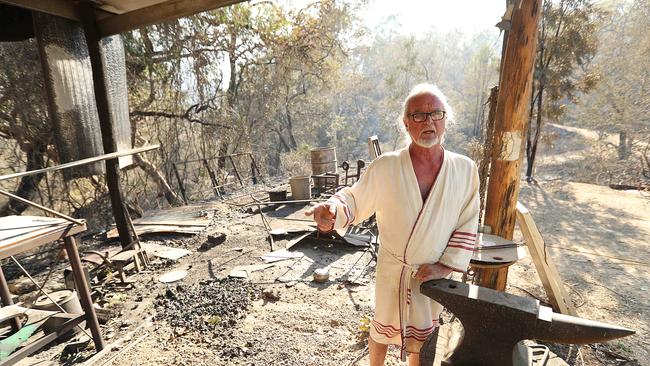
<point x="300" y="187"/>
<point x="67" y="299"/>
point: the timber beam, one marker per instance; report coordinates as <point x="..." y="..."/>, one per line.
<point x="111" y="23"/>
<point x="158" y="13"/>
<point x="511" y="120"/>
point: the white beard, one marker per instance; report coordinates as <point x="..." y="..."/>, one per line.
<point x="429" y="143"/>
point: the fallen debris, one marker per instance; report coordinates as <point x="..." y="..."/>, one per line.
<point x="172" y="276"/>
<point x="298" y="239"/>
<point x="165" y="252"/>
<point x="180" y="220"/>
<point x="22" y="286"/>
<point x="280" y="255"/>
<point x="243" y="271"/>
<point x="214" y="238"/>
<point x="271" y="294"/>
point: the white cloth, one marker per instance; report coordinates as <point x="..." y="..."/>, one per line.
<point x="441" y="229"/>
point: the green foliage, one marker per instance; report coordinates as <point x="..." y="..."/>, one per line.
<point x="567" y="43"/>
<point x="620" y="102"/>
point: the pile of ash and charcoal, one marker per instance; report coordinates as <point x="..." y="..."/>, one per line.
<point x="208" y="308"/>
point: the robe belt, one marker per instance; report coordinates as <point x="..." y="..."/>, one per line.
<point x="408" y="271"/>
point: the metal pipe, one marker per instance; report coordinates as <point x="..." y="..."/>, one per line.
<point x="43" y="291"/>
<point x="80" y="162"/>
<point x="283" y="202"/>
<point x="84" y="292"/>
<point x="5" y="295"/>
<point x="55" y="213"/>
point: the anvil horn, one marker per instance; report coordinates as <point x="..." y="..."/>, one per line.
<point x="570" y="329"/>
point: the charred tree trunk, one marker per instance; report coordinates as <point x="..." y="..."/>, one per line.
<point x="623" y="145"/>
<point x="531" y="149"/>
<point x="28" y="186"/>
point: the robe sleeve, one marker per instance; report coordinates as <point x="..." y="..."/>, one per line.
<point x="357" y="203"/>
<point x="461" y="244"/>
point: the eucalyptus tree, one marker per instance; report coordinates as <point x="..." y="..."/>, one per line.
<point x="620" y="102"/>
<point x="567" y="42"/>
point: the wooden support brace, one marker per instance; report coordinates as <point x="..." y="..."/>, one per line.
<point x="543" y="263"/>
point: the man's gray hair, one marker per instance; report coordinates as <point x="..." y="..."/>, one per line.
<point x="429" y="89"/>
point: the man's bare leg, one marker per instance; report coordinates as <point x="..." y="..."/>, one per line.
<point x="377" y="352"/>
<point x="414" y="359"/>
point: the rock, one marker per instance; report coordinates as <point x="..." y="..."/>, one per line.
<point x="322" y="275"/>
<point x="214" y="238"/>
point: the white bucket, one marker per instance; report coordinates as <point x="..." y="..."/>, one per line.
<point x="300" y="187"/>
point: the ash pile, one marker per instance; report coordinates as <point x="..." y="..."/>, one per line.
<point x="209" y="308"/>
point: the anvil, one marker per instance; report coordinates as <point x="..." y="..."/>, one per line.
<point x="495" y="321"/>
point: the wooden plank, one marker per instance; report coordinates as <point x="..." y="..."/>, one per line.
<point x="543" y="263"/>
<point x="80" y="162"/>
<point x="373" y="147"/>
<point x="158" y="13"/>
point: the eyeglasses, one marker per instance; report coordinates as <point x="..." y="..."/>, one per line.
<point x="421" y="117"/>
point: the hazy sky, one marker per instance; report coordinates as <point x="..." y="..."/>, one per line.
<point x="415" y="16"/>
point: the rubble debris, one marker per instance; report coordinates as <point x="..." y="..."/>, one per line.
<point x="180" y="220"/>
<point x="279" y="232"/>
<point x="280" y="255"/>
<point x="211" y="307"/>
<point x="165" y="252"/>
<point x="214" y="238"/>
<point x="271" y="294"/>
<point x="172" y="276"/>
<point x="238" y="273"/>
<point x="243" y="271"/>
<point x="298" y="239"/>
<point x="21" y="286"/>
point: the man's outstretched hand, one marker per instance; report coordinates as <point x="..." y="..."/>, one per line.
<point x="324" y="216"/>
<point x="428" y="272"/>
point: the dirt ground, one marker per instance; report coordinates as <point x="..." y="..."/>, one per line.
<point x="597" y="237"/>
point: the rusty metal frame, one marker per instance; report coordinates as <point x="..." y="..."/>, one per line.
<point x="217" y="188"/>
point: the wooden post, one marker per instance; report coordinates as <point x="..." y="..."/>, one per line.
<point x="510" y="126"/>
<point x="180" y="182"/>
<point x="93" y="40"/>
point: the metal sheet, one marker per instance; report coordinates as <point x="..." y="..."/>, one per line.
<point x="118" y="101"/>
<point x="69" y="88"/>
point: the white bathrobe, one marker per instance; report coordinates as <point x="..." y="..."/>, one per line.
<point x="441" y="229"/>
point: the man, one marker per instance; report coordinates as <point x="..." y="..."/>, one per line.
<point x="426" y="201"/>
